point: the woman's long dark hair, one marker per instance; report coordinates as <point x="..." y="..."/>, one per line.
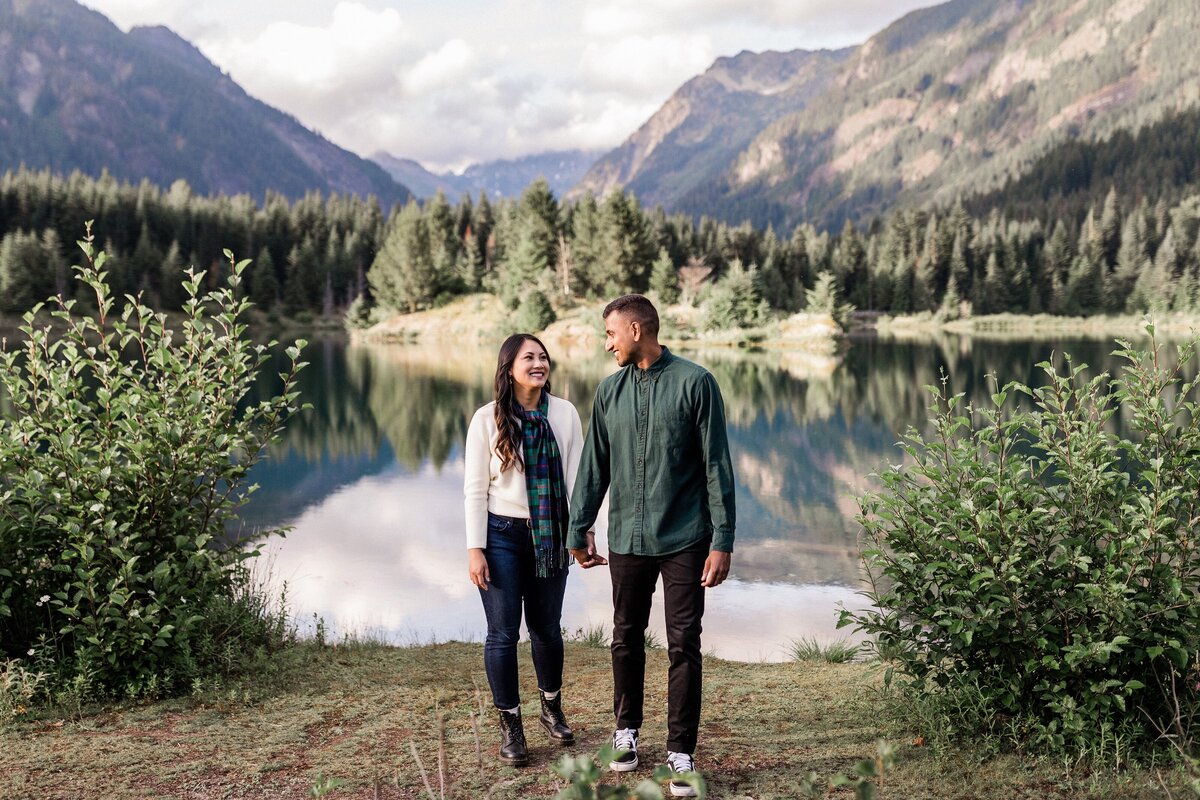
<point x="508" y="415"/>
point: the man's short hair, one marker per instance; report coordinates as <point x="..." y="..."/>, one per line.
<point x="637" y="308"/>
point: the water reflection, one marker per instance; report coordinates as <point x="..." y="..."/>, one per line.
<point x="370" y="480"/>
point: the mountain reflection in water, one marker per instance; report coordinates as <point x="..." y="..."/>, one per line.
<point x="370" y="480"/>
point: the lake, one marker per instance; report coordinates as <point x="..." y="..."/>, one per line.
<point x="369" y="481"/>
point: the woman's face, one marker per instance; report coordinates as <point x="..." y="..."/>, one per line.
<point x="531" y="367"/>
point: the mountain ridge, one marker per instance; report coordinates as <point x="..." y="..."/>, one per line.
<point x="77" y="93"/>
<point x="684" y="145"/>
<point x="562" y="169"/>
<point x="944" y="102"/>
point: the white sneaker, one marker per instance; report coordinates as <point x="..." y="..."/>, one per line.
<point x="681" y="763"/>
<point x="624" y="741"/>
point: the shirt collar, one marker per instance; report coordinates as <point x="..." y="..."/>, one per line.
<point x="655" y="369"/>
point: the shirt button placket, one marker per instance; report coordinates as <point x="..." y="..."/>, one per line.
<point x="640" y="462"/>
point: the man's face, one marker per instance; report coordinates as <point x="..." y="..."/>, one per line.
<point x="621" y="336"/>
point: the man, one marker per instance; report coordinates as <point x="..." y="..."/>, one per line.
<point x="657" y="444"/>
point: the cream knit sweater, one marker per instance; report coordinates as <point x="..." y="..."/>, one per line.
<point x="488" y="489"/>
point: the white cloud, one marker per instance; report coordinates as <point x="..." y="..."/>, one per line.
<point x="448" y="65"/>
<point x="450" y="84"/>
<point x="352" y="47"/>
<point x="646" y="64"/>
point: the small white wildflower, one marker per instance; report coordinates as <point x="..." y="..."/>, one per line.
<point x="44" y="598"/>
<point x="135" y="613"/>
<point x="29" y="652"/>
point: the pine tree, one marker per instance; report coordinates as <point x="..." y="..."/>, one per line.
<point x="264" y="284"/>
<point x="587" y="248"/>
<point x="171" y="277"/>
<point x="1132" y="259"/>
<point x="532" y="251"/>
<point x="1110" y="229"/>
<point x="664" y="279"/>
<point x="403" y="275"/>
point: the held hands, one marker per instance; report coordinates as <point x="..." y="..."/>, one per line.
<point x="477" y="566"/>
<point x="587" y="557"/>
<point x="716" y="569"/>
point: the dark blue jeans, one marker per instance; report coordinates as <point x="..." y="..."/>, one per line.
<point x="513" y="584"/>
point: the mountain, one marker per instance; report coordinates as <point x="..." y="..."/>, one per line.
<point x="507" y="178"/>
<point x="712" y="118"/>
<point x="947" y="101"/>
<point x="78" y="93"/>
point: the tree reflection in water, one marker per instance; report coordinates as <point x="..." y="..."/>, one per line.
<point x="388" y="423"/>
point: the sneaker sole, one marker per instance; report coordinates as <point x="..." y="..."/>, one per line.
<point x="683" y="791"/>
<point x="623" y="766"/>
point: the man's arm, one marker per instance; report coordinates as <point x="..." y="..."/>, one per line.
<point x="718" y="467"/>
<point x="590" y="485"/>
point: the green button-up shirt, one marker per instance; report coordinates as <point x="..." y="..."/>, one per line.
<point x="657" y="444"/>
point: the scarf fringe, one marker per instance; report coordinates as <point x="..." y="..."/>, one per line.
<point x="552" y="561"/>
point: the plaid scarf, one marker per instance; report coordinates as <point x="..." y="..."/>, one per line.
<point x="547" y="490"/>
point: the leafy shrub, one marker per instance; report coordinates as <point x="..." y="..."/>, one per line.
<point x="583" y="775"/>
<point x="1045" y="565"/>
<point x="123" y="458"/>
<point x="534" y="313"/>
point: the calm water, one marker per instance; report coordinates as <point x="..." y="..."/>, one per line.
<point x="370" y="481"/>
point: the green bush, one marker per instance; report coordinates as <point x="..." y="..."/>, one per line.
<point x="1047" y="567"/>
<point x="584" y="777"/>
<point x="535" y="313"/>
<point x="122" y="460"/>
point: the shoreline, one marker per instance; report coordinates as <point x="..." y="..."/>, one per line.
<point x="476" y="320"/>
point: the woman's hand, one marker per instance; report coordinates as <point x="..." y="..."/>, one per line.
<point x="478" y="567"/>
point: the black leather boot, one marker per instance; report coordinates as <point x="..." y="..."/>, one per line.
<point x="555" y="722"/>
<point x="512" y="740"/>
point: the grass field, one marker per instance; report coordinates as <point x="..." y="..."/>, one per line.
<point x="355" y="713"/>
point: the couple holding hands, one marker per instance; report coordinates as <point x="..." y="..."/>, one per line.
<point x="656" y="443"/>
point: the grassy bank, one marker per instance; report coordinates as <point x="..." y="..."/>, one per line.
<point x="1028" y="326"/>
<point x="353" y="713"/>
<point x="483" y="318"/>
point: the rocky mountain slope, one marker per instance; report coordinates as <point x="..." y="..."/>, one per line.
<point x="78" y="93"/>
<point x="947" y="101"/>
<point x="712" y="118"/>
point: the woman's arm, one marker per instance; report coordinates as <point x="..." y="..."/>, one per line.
<point x="477" y="479"/>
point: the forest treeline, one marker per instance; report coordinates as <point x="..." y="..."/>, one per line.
<point x="317" y="255"/>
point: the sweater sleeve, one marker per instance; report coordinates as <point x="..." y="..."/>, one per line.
<point x="574" y="449"/>
<point x="477" y="456"/>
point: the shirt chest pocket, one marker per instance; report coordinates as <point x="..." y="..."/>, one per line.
<point x="674" y="427"/>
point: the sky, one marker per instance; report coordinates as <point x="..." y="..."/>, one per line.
<point x="455" y="82"/>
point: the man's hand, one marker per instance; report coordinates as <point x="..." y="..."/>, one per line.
<point x="716" y="569"/>
<point x="587" y="557"/>
<point x="478" y="568"/>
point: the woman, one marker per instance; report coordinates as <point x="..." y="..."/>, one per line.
<point x="522" y="453"/>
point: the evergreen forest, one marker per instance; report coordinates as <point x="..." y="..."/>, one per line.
<point x="1101" y="228"/>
